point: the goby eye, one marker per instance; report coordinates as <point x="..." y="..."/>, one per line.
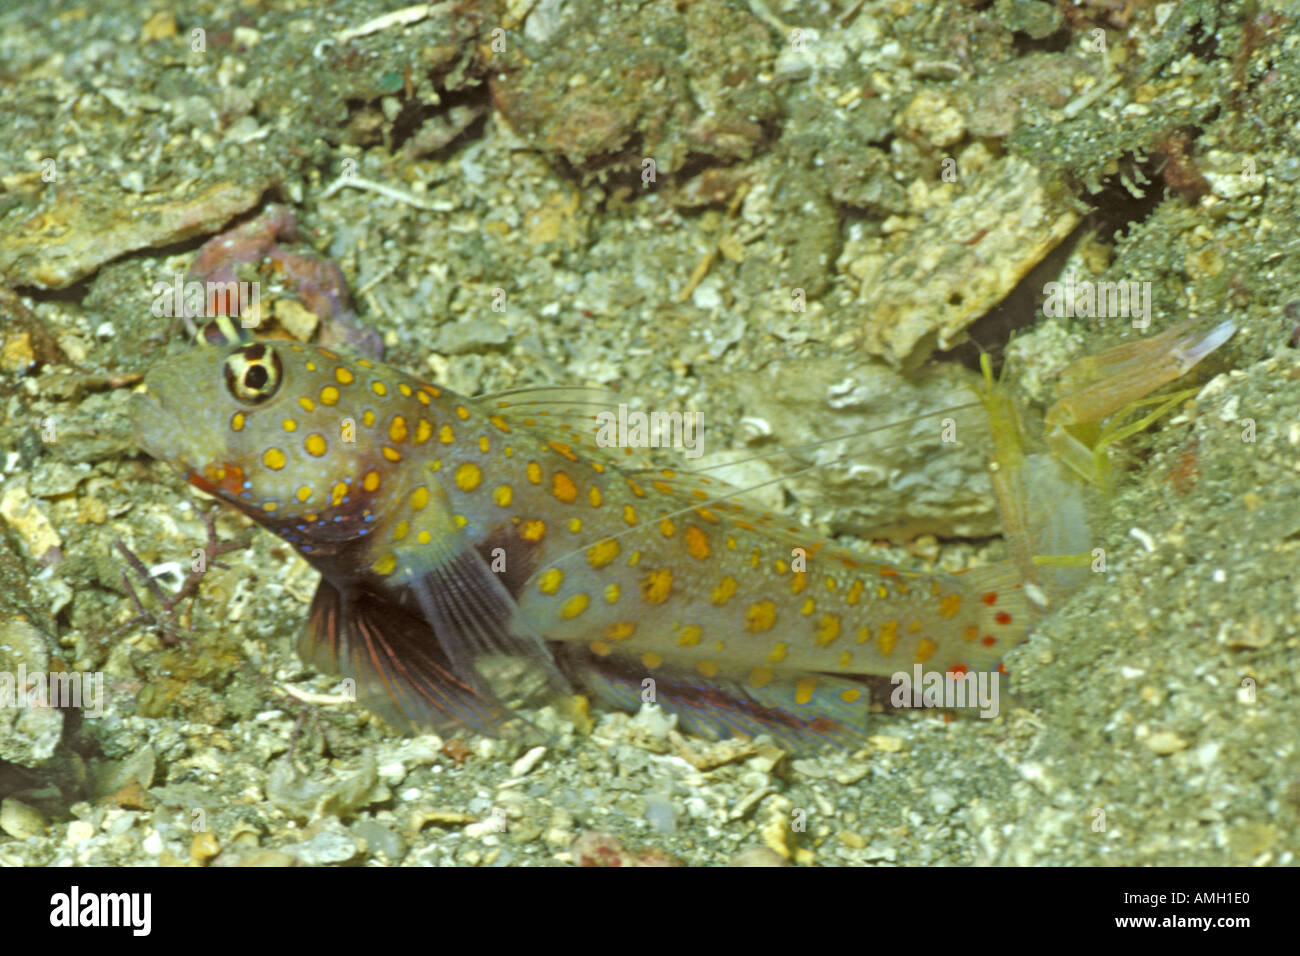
<point x="253" y="373"/>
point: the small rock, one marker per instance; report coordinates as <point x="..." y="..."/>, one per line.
<point x="332" y="844"/>
<point x="660" y="813"/>
<point x="942" y="801"/>
<point x="19" y="820"/>
<point x="204" y="847"/>
<point x="758" y="856"/>
<point x="381" y="841"/>
<point x="933" y="118"/>
<point x="470" y="335"/>
<point x="160" y="26"/>
<point x="852" y="840"/>
<point x="527" y="762"/>
<point x="1165" y="742"/>
<point x="27" y="518"/>
<point x="265" y="858"/>
<point x="29" y="734"/>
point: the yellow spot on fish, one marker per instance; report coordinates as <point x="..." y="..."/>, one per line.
<point x="424" y="537"/>
<point x="690" y="636"/>
<point x="423" y="430"/>
<point x="612" y="592"/>
<point x="888" y="638"/>
<point x="667" y="528"/>
<point x="368" y="418"/>
<point x="575" y="525"/>
<point x="371" y="481"/>
<point x="574" y="606"/>
<point x="500" y="423"/>
<point x="846" y="659"/>
<point x="799" y="583"/>
<point x="760" y="677"/>
<point x="563" y="449"/>
<point x="563" y="488"/>
<point x="621" y="630"/>
<point x="397" y="430"/>
<point x="270" y="506"/>
<point x="707" y="669"/>
<point x="533" y="530"/>
<point x="344" y="376"/>
<point x="503" y="495"/>
<point x="460" y="520"/>
<point x="697" y="543"/>
<point x="777" y="654"/>
<point x="593" y="495"/>
<point x="656" y="587"/>
<point x="462" y="412"/>
<point x="289" y="425"/>
<point x="329" y="395"/>
<point x="629" y="514"/>
<point x="446" y="435"/>
<point x="307" y="404"/>
<point x="949" y="606"/>
<point x="550" y="581"/>
<point x="723" y="592"/>
<point x="379" y="388"/>
<point x="600" y="648"/>
<point x="602" y="552"/>
<point x="402" y="530"/>
<point x="855" y="592"/>
<point x="404" y="389"/>
<point x="392" y="454"/>
<point x="304" y="493"/>
<point x="828" y="629"/>
<point x="385" y="565"/>
<point x="804" y="688"/>
<point x="925" y="650"/>
<point x="760" y="616"/>
<point x="468" y="476"/>
<point x="237" y="421"/>
<point x="315" y="445"/>
<point x="339" y="492"/>
<point x="534" y="472"/>
<point x="651" y="660"/>
<point x="483" y="444"/>
<point x="809" y="605"/>
<point x="274" y="459"/>
<point x="419" y="498"/>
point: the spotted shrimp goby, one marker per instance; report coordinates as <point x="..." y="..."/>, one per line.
<point x="447" y="530"/>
